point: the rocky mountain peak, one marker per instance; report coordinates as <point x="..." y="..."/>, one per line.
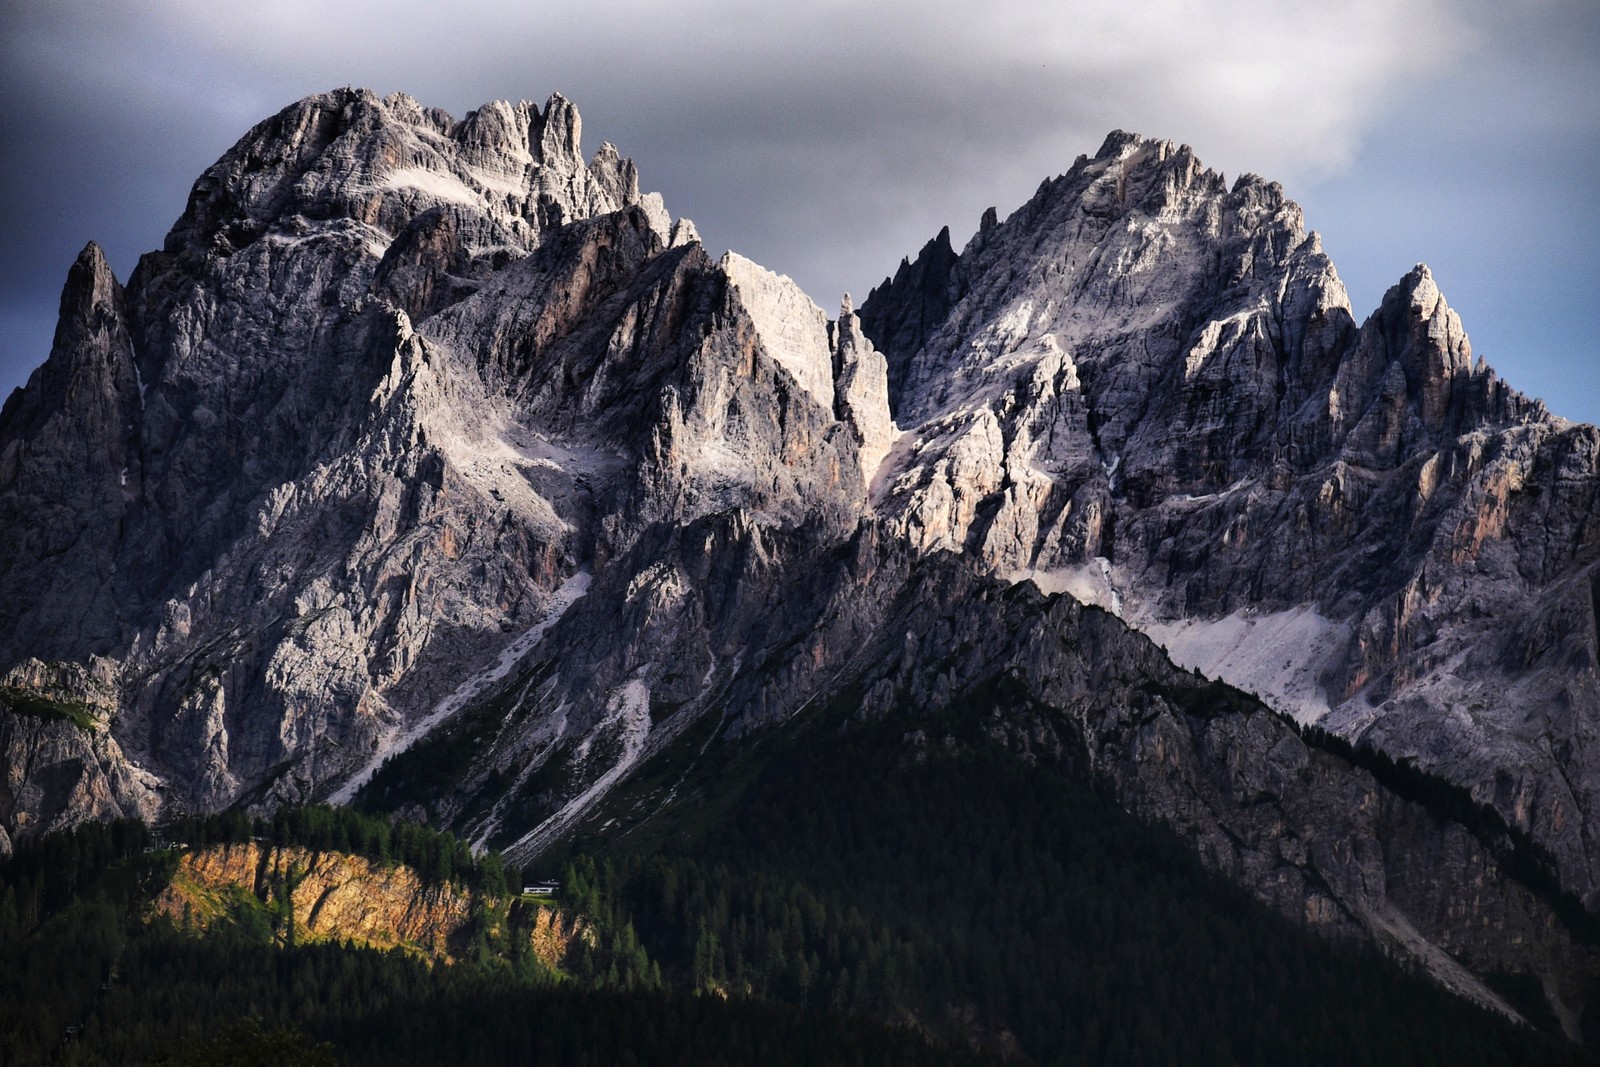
<point x="1131" y="172"/>
<point x="1117" y="145"/>
<point x="1413" y="378"/>
<point x="792" y="327"/>
<point x="69" y="466"/>
<point x="1419" y="286"/>
<point x="562" y="129"/>
<point x="1148" y="387"/>
<point x="89" y="351"/>
<point x="89" y="282"/>
<point x="90" y="368"/>
<point x="350" y="163"/>
<point x="903" y="310"/>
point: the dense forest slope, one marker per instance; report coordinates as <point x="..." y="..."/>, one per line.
<point x="957" y="909"/>
<point x="97" y="971"/>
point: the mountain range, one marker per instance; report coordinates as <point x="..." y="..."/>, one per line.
<point x="433" y="469"/>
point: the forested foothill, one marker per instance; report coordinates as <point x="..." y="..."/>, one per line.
<point x="869" y="898"/>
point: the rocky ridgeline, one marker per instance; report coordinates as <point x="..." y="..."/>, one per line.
<point x="417" y="422"/>
<point x="1319" y="838"/>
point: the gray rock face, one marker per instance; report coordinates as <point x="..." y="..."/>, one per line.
<point x="425" y="440"/>
<point x="236" y="455"/>
<point x="906" y="309"/>
<point x="1149" y="389"/>
<point x="862" y="400"/>
<point x="70" y="466"/>
<point x="62" y="764"/>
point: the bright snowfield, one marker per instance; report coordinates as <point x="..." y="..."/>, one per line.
<point x="566" y="594"/>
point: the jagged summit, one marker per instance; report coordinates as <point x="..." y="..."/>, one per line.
<point x="1130" y="228"/>
<point x="353" y="165"/>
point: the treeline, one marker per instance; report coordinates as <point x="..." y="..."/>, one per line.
<point x="752" y="934"/>
<point x="94" y="988"/>
<point x="417" y="776"/>
<point x="806" y="913"/>
<point x="44" y="876"/>
<point x="85" y="978"/>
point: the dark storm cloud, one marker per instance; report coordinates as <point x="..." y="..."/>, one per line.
<point x="824" y="142"/>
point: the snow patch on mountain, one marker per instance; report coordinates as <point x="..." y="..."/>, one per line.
<point x="445" y="187"/>
<point x="1279" y="656"/>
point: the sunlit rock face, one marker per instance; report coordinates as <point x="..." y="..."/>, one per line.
<point x="432" y="439"/>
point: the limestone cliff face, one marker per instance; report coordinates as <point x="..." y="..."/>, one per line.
<point x="259" y="437"/>
<point x="69" y="471"/>
<point x="334" y="896"/>
<point x="392" y="380"/>
<point x="393" y="383"/>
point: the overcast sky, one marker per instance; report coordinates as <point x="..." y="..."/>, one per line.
<point x="827" y="140"/>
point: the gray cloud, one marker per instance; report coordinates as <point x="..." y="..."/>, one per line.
<point x="827" y="140"/>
